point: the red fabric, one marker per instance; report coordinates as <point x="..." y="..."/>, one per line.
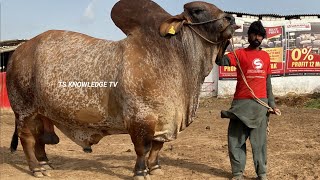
<point x="255" y="65"/>
<point x="3" y="91"/>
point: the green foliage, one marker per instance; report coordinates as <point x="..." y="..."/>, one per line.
<point x="313" y="103"/>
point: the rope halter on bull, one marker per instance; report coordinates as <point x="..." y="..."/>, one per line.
<point x="190" y="24"/>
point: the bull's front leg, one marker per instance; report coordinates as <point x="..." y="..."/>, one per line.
<point x="142" y="132"/>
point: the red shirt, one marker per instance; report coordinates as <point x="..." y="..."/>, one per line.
<point x="255" y="65"/>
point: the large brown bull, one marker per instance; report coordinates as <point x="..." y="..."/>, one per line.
<point x="157" y="73"/>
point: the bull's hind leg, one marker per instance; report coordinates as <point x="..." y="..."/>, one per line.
<point x="48" y="136"/>
<point x="29" y="135"/>
<point x="153" y="160"/>
<point x="141" y="135"/>
<point x="42" y="156"/>
<point x="28" y="143"/>
<point x="40" y="145"/>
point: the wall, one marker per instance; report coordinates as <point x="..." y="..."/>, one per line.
<point x="281" y="85"/>
<point x="210" y="85"/>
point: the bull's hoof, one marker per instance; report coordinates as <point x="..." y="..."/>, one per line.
<point x="40" y="172"/>
<point x="46" y="165"/>
<point x="49" y="138"/>
<point x="141" y="175"/>
<point x="156" y="170"/>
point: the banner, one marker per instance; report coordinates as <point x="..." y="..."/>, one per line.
<point x="273" y="32"/>
<point x="293" y="47"/>
<point x="277" y="65"/>
<point x="4" y="101"/>
<point x="273" y="44"/>
<point x="227" y="73"/>
<point x="298" y="26"/>
<point x="302" y="62"/>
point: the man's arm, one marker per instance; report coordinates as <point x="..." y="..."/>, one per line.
<point x="271" y="101"/>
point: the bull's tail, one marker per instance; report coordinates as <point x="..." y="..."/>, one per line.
<point x="14" y="140"/>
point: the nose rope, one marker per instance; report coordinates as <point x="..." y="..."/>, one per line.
<point x="215" y="43"/>
<point x="190" y="24"/>
<point x="204" y="22"/>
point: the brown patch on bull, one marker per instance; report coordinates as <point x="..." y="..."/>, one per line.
<point x="88" y="115"/>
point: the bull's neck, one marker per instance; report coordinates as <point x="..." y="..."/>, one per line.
<point x="198" y="55"/>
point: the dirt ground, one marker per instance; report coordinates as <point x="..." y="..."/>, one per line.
<point x="200" y="152"/>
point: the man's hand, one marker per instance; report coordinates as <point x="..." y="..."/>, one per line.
<point x="276" y="111"/>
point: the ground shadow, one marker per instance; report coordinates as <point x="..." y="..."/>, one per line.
<point x="17" y="159"/>
<point x="193" y="166"/>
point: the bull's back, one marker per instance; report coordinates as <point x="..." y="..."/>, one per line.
<point x="45" y="66"/>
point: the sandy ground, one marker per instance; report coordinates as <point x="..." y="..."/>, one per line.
<point x="200" y="152"/>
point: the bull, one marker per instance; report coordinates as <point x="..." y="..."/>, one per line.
<point x="157" y="71"/>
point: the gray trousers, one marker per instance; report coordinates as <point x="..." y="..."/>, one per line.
<point x="238" y="133"/>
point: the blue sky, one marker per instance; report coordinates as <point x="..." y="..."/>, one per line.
<point x="24" y="19"/>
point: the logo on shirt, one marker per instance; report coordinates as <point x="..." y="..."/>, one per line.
<point x="257" y="63"/>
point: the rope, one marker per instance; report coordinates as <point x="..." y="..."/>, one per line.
<point x="245" y="81"/>
<point x="215" y="43"/>
<point x="204" y="22"/>
<point x="251" y="91"/>
<point x="190" y="24"/>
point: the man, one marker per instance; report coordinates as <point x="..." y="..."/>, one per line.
<point x="248" y="118"/>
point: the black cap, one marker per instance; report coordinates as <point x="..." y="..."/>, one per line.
<point x="256" y="27"/>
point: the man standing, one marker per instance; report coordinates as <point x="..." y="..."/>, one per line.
<point x="248" y="118"/>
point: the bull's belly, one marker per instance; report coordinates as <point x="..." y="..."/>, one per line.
<point x="88" y="134"/>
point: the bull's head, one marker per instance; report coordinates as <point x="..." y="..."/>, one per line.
<point x="206" y="20"/>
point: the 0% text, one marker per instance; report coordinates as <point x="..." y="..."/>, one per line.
<point x="304" y="53"/>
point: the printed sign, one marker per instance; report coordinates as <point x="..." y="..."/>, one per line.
<point x="302" y="62"/>
<point x="298" y="26"/>
<point x="273" y="32"/>
<point x="276" y="56"/>
<point x="227" y="72"/>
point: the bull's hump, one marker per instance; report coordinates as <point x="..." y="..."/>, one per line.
<point x="131" y="15"/>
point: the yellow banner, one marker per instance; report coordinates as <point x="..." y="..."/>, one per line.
<point x="276" y="54"/>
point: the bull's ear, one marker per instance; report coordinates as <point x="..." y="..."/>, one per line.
<point x="172" y="25"/>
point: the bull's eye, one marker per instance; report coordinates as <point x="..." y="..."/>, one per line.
<point x="197" y="11"/>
